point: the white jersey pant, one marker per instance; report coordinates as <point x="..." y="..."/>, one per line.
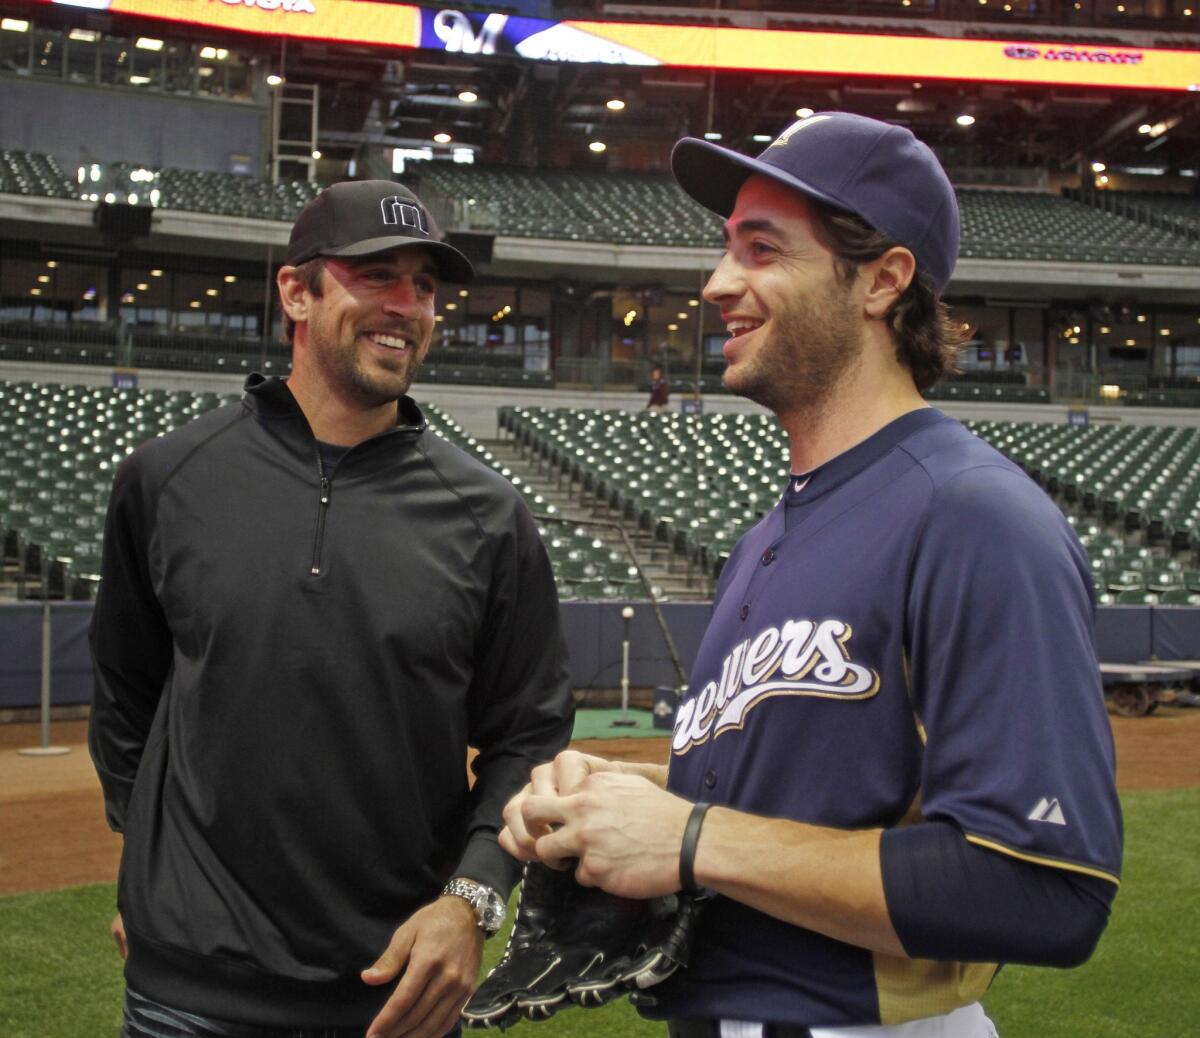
<point x="967" y="1022"/>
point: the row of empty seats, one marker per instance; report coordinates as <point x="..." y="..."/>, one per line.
<point x="650" y="209"/>
<point x="698" y="482"/>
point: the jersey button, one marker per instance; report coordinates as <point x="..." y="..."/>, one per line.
<point x="768" y="556"/>
<point x="710" y="779"/>
<point x="744" y="612"/>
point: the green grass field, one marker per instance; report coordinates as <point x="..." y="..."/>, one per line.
<point x="60" y="976"/>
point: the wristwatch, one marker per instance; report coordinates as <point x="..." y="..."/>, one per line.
<point x="488" y="905"/>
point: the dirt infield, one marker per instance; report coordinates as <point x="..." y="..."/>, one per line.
<point x="53" y="833"/>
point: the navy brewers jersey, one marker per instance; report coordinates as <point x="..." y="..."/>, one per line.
<point x="911" y="637"/>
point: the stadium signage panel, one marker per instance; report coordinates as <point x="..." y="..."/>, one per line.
<point x="689" y="46"/>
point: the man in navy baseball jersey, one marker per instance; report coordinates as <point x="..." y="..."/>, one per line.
<point x="896" y="713"/>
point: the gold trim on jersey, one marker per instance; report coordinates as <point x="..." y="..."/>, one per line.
<point x="1038" y="859"/>
<point x="909" y="989"/>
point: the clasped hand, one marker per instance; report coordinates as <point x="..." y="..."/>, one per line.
<point x="623" y="830"/>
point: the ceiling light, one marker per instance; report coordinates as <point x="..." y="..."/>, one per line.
<point x="274" y="80"/>
<point x="148" y="43"/>
<point x="1098" y="167"/>
<point x="965" y="120"/>
<point x="672" y="327"/>
<point x="83" y="35"/>
<point x="156" y="273"/>
<point x="139" y="80"/>
<point x="1131" y="342"/>
<point x="128" y="297"/>
<point x="442" y="138"/>
<point x="210" y="291"/>
<point x="468" y="97"/>
<point x="803" y="113"/>
<point x="693" y="302"/>
<point x="615" y="105"/>
<point x="451" y="306"/>
<point x="44" y="278"/>
<point x="142" y="286"/>
<point x="14" y="25"/>
<point x="762" y="138"/>
<point x="230" y="279"/>
<point x="1145" y="128"/>
<point x="1164" y="331"/>
<point x="316" y="154"/>
<point x="1102" y="181"/>
<point x="35" y="291"/>
<point x="195" y="304"/>
<point x="682" y="315"/>
<point x="712" y="135"/>
<point x="1141" y="318"/>
<point x="597" y="146"/>
<point x="1105" y="329"/>
<point x="52" y="264"/>
<point x="463" y="293"/>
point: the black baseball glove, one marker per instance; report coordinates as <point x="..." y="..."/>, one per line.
<point x="572" y="944"/>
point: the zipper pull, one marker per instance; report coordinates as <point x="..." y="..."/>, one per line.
<point x="324" y="491"/>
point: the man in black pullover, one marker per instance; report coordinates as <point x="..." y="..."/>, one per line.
<point x="310" y="607"/>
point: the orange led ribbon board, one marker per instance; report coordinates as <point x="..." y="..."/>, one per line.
<point x="812" y="53"/>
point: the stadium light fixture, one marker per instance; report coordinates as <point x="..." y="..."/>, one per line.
<point x="156" y="273"/>
<point x="83" y="35"/>
<point x="712" y="135"/>
<point x="44" y="279"/>
<point x="762" y="138"/>
<point x="463" y="293"/>
<point x="803" y="113"/>
<point x="148" y="43"/>
<point x="210" y="291"/>
<point x="274" y="80"/>
<point x="1145" y="128"/>
<point x="615" y="104"/>
<point x="230" y="279"/>
<point x="35" y="291"/>
<point x="672" y="327"/>
<point x="195" y="304"/>
<point x="438" y="319"/>
<point x="52" y="264"/>
<point x="451" y="306"/>
<point x="965" y="119"/>
<point x="139" y="80"/>
<point x="1105" y="329"/>
<point x="316" y="153"/>
<point x="693" y="302"/>
<point x="442" y="138"/>
<point x="143" y="286"/>
<point x="1164" y="331"/>
<point x="468" y="97"/>
<point x="597" y="147"/>
<point x="1098" y="167"/>
<point x="14" y="25"/>
<point x="1102" y="180"/>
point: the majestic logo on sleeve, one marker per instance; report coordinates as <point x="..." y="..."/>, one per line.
<point x="801" y="658"/>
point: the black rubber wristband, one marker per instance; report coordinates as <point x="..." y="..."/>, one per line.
<point x="687" y="850"/>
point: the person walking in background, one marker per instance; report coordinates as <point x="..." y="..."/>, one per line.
<point x="311" y="605"/>
<point x="660" y="390"/>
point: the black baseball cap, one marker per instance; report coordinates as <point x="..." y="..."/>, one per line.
<point x="363" y="217"/>
<point x="873" y="169"/>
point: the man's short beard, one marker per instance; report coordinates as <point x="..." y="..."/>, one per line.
<point x="811" y="347"/>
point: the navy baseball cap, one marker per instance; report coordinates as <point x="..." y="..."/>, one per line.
<point x="363" y="217"/>
<point x="872" y="169"/>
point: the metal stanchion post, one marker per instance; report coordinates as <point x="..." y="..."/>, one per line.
<point x="45" y="749"/>
<point x="625" y="721"/>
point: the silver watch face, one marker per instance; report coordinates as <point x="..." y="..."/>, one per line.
<point x="490" y="911"/>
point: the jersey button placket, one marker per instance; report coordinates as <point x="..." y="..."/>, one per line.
<point x="768" y="556"/>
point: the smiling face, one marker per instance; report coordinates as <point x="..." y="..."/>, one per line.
<point x="795" y="328"/>
<point x="367" y="332"/>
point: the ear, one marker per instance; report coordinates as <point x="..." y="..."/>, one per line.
<point x="294" y="296"/>
<point x="886" y="279"/>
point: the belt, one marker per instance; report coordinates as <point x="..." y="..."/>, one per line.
<point x="712" y="1029"/>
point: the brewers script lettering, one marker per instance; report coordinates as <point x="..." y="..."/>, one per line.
<point x="802" y="658"/>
